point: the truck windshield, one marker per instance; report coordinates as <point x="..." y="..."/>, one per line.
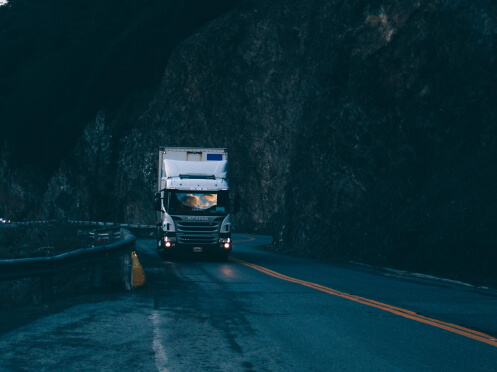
<point x="198" y="203"/>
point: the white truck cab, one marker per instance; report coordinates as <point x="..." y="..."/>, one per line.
<point x="193" y="202"/>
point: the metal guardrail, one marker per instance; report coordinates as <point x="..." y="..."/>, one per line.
<point x="111" y="224"/>
<point x="105" y="235"/>
<point x="84" y="223"/>
<point x="46" y="267"/>
<point x="32" y="223"/>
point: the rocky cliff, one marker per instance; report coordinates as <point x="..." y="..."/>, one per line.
<point x="357" y="130"/>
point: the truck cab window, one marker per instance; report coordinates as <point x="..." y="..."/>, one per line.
<point x="204" y="203"/>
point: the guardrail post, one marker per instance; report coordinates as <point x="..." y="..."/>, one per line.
<point x="47" y="288"/>
<point x="97" y="274"/>
<point x="127" y="271"/>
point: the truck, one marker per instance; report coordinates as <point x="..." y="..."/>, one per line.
<point x="193" y="203"/>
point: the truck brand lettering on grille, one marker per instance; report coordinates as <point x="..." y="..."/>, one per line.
<point x="195" y="218"/>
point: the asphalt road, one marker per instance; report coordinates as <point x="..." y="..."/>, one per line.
<point x="264" y="312"/>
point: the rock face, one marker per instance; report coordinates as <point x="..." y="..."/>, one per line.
<point x="21" y="190"/>
<point x="360" y="130"/>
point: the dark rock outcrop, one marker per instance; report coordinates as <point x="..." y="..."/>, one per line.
<point x="360" y="130"/>
<point x="21" y="189"/>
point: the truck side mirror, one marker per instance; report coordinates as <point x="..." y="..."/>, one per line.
<point x="236" y="204"/>
<point x="158" y="202"/>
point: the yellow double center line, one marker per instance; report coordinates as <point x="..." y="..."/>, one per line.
<point x="475" y="335"/>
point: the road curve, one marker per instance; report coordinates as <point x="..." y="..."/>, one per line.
<point x="263" y="311"/>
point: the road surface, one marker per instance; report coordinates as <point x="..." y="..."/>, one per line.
<point x="264" y="312"/>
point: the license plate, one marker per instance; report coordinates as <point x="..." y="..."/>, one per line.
<point x="197" y="249"/>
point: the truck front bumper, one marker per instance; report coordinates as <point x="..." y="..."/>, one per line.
<point x="177" y="249"/>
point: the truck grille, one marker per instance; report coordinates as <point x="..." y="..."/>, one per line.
<point x="197" y="232"/>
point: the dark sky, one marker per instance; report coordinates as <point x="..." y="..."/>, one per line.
<point x="62" y="61"/>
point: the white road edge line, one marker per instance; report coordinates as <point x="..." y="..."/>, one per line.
<point x="161" y="358"/>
